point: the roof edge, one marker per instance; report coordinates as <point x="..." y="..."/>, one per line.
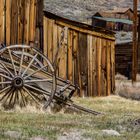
<point x="76" y="23"/>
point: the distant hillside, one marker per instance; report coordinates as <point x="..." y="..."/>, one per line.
<point x="81" y="10"/>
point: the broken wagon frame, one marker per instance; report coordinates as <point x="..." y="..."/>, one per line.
<point x="27" y="76"/>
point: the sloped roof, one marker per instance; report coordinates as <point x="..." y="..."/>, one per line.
<point x="110" y="13"/>
<point x="120" y="10"/>
<point x="125" y="21"/>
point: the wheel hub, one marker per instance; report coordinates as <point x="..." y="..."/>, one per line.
<point x="18" y="82"/>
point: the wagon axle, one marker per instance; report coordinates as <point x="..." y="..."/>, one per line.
<point x="18" y="82"/>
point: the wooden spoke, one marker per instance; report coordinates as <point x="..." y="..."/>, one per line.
<point x="38" y="80"/>
<point x="29" y="65"/>
<point x="10" y="54"/>
<point x="38" y="90"/>
<point x="5" y="94"/>
<point x="6" y="68"/>
<point x="7" y="77"/>
<point x="36" y="96"/>
<point x="7" y="82"/>
<point x="31" y="96"/>
<point x="23" y="98"/>
<point x="17" y="98"/>
<point x="11" y="98"/>
<point x="21" y="61"/>
<point x="4" y="71"/>
<point x="14" y="98"/>
<point x="3" y="90"/>
<point x="35" y="72"/>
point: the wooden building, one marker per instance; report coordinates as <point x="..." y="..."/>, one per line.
<point x="120" y="19"/>
<point x="86" y="55"/>
<point x="123" y="58"/>
<point x="119" y="13"/>
<point x="21" y="21"/>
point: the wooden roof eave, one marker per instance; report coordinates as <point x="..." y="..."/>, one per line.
<point x="84" y="28"/>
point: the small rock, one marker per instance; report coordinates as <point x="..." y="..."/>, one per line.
<point x="65" y="134"/>
<point x="74" y="135"/>
<point x="13" y="134"/>
<point x="137" y="122"/>
<point x="110" y="132"/>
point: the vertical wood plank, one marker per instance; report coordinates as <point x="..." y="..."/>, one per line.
<point x="108" y="69"/>
<point x="113" y="66"/>
<point x="26" y="21"/>
<point x="39" y="23"/>
<point x="8" y="21"/>
<point x="70" y="61"/>
<point x="94" y="66"/>
<point x="99" y="52"/>
<point x="63" y="53"/>
<point x="20" y="20"/>
<point x="39" y="12"/>
<point x="2" y="19"/>
<point x="59" y="32"/>
<point x="55" y="41"/>
<point x="90" y="83"/>
<point x="45" y="28"/>
<point x="14" y="22"/>
<point x="32" y="20"/>
<point x="50" y="39"/>
<point x="83" y="62"/>
<point x="75" y="57"/>
<point x="103" y="68"/>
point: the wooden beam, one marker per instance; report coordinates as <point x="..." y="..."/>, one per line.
<point x="91" y="32"/>
<point x="134" y="55"/>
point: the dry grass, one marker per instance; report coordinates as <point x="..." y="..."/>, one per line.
<point x="125" y="88"/>
<point x="120" y="115"/>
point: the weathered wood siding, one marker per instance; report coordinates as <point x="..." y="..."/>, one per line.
<point x="21" y="21"/>
<point x="123" y="58"/>
<point x="86" y="57"/>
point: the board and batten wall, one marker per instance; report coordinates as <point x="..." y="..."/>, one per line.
<point x="86" y="57"/>
<point x="21" y="21"/>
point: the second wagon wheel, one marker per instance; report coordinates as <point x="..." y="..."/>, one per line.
<point x="26" y="76"/>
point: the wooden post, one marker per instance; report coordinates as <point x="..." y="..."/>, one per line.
<point x="139" y="42"/>
<point x="134" y="56"/>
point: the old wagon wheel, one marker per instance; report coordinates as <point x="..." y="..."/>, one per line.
<point x="22" y="70"/>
